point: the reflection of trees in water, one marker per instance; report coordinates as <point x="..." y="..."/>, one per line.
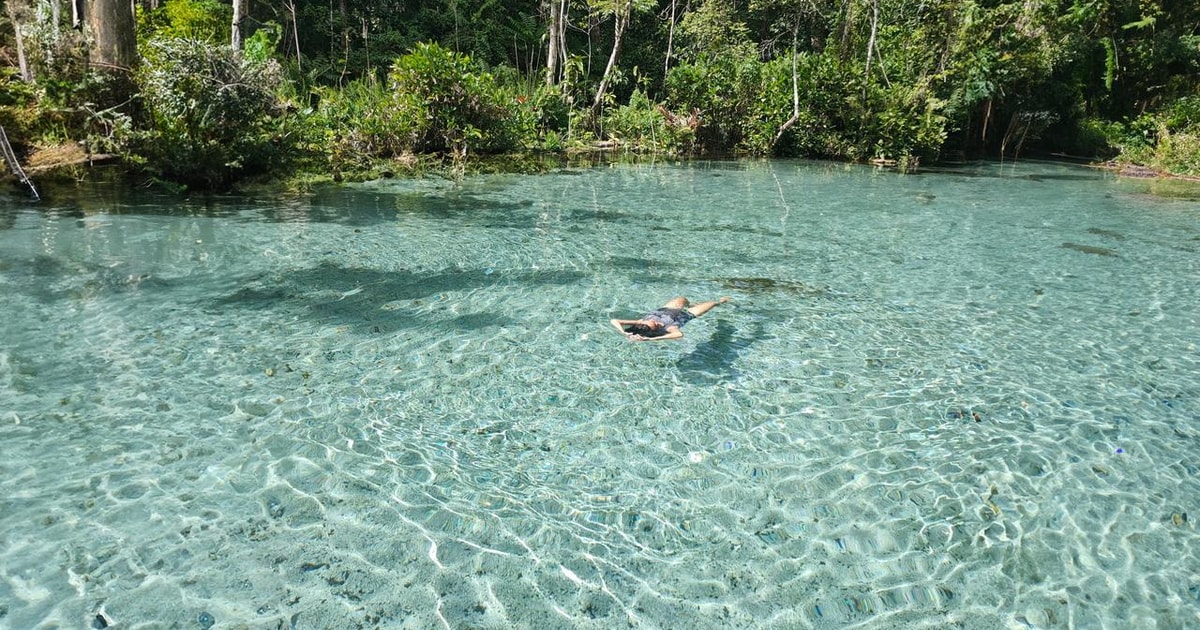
<point x="712" y="361"/>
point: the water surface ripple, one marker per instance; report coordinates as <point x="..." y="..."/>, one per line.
<point x="965" y="398"/>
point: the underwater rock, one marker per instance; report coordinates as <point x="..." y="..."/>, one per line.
<point x="1089" y="249"/>
<point x="964" y="415"/>
<point x="205" y="620"/>
<point x="274" y="507"/>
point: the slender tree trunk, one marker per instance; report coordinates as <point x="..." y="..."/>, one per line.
<point x="366" y="43"/>
<point x="345" y="30"/>
<point x="987" y="117"/>
<point x="670" y="41"/>
<point x="237" y="33"/>
<point x="344" y="23"/>
<point x="1014" y="127"/>
<point x="871" y="46"/>
<point x="795" y="92"/>
<point x="290" y="6"/>
<point x="56" y="19"/>
<point x="454" y="7"/>
<point x="564" y="21"/>
<point x="22" y="63"/>
<point x="844" y="49"/>
<point x="622" y="20"/>
<point x="554" y="35"/>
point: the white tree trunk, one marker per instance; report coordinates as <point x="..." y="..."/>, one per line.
<point x="22" y="64"/>
<point x="871" y="45"/>
<point x="237" y="30"/>
<point x="795" y="94"/>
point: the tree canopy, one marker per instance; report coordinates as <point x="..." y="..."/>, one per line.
<point x="888" y="80"/>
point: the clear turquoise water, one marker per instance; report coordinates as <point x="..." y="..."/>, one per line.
<point x="969" y="397"/>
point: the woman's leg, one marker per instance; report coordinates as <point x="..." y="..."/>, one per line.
<point x="704" y="307"/>
<point x="678" y="302"/>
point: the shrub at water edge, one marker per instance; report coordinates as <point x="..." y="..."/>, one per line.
<point x="208" y="108"/>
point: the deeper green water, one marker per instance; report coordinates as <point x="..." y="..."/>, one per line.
<point x="965" y="398"/>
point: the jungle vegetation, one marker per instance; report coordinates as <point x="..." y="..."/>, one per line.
<point x="204" y="93"/>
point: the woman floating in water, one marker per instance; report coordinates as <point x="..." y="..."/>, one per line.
<point x="665" y="322"/>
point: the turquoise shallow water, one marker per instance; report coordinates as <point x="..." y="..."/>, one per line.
<point x="965" y="398"/>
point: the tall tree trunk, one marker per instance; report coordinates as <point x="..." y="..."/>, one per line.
<point x="237" y="32"/>
<point x="621" y="17"/>
<point x="112" y="52"/>
<point x="114" y="40"/>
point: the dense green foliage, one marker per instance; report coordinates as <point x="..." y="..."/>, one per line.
<point x="201" y="20"/>
<point x="1166" y="141"/>
<point x="449" y="105"/>
<point x="345" y="87"/>
<point x="433" y="101"/>
<point x="209" y="110"/>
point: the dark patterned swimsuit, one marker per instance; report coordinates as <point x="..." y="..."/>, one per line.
<point x="668" y="317"/>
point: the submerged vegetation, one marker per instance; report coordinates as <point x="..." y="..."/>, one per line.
<point x="204" y="94"/>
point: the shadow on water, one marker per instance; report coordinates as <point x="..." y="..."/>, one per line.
<point x="1090" y="249"/>
<point x="645" y="268"/>
<point x="48" y="279"/>
<point x="712" y="361"/>
<point x="726" y="228"/>
<point x="633" y="262"/>
<point x="766" y="285"/>
<point x="603" y="216"/>
<point x="377" y="301"/>
<point x="464" y="208"/>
